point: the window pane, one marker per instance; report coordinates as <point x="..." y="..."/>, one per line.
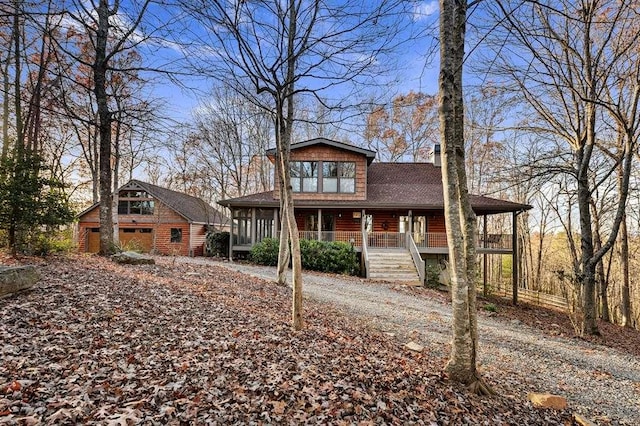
<point x="176" y="235"/>
<point x="295" y="184"/>
<point x="123" y="207"/>
<point x="347" y="185"/>
<point x="309" y="169"/>
<point x="348" y="170"/>
<point x="329" y="185"/>
<point x="295" y="169"/>
<point x="310" y="184"/>
<point x="330" y="169"/>
<point x="146" y="207"/>
<point x="135" y="207"/>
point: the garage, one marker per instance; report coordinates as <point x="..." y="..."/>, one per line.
<point x="93" y="240"/>
<point x="139" y="239"/>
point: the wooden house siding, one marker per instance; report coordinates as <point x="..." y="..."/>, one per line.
<point x="161" y="222"/>
<point x="435" y="224"/>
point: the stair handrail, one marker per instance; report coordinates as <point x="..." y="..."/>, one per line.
<point x="365" y="254"/>
<point x="415" y="255"/>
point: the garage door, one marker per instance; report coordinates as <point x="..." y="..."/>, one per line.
<point x="93" y="240"/>
<point x="136" y="238"/>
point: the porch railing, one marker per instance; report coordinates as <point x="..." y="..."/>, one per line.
<point x="365" y="253"/>
<point x="422" y="240"/>
<point x="352" y="237"/>
<point x="430" y="239"/>
<point x="496" y="241"/>
<point x="386" y="239"/>
<point x="417" y="259"/>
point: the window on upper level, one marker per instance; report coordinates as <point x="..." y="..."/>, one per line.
<point x="304" y="176"/>
<point x="134" y="202"/>
<point x="338" y="176"/>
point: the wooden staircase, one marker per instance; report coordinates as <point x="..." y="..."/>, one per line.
<point x="393" y="265"/>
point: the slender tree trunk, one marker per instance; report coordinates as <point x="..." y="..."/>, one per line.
<point x="625" y="300"/>
<point x="459" y="217"/>
<point x="18" y="157"/>
<point x="283" y="249"/>
<point x="6" y="86"/>
<point x="294" y="237"/>
<point x="601" y="282"/>
<point x="104" y="125"/>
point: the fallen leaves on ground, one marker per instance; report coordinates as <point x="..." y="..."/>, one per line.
<point x="100" y="343"/>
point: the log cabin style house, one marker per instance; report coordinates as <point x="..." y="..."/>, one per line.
<point x="387" y="211"/>
<point x="154" y="219"/>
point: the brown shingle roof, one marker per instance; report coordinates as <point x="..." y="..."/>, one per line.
<point x="191" y="208"/>
<point x="392" y="185"/>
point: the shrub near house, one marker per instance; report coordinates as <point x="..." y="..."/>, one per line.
<point x="324" y="256"/>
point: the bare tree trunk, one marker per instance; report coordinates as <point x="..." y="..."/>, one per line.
<point x="104" y="125"/>
<point x="625" y="300"/>
<point x="283" y="249"/>
<point x="601" y="282"/>
<point x="459" y="217"/>
<point x="6" y="85"/>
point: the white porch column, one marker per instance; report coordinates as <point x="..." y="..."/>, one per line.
<point x="319" y="224"/>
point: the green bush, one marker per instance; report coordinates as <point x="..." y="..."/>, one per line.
<point x="324" y="256"/>
<point x="490" y="307"/>
<point x="217" y="244"/>
<point x="265" y="252"/>
<point x="43" y="242"/>
<point x="432" y="276"/>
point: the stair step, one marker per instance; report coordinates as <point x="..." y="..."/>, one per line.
<point x="393" y="265"/>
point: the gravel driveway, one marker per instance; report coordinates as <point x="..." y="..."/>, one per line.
<point x="599" y="382"/>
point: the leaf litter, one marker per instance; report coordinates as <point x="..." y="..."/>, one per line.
<point x="99" y="343"/>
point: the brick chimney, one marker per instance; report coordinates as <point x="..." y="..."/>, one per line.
<point x="436" y="156"/>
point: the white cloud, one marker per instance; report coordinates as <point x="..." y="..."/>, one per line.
<point x="425" y="9"/>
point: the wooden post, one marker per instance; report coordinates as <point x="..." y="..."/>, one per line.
<point x="410" y="230"/>
<point x="253" y="226"/>
<point x="231" y="236"/>
<point x="319" y="224"/>
<point x="514" y="256"/>
<point x="484" y="256"/>
<point x="275" y="227"/>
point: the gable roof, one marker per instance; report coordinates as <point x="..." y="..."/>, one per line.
<point x="371" y="155"/>
<point x="391" y="185"/>
<point x="193" y="209"/>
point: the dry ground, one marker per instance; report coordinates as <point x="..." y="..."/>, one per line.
<point x="99" y="343"/>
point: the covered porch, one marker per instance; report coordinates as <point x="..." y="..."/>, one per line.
<point x="377" y="229"/>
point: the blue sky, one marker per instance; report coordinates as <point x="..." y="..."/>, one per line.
<point x="417" y="66"/>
